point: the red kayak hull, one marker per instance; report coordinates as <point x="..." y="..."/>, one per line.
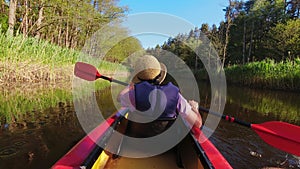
<point x="77" y="155"/>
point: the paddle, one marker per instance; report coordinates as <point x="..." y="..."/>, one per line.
<point x="281" y="135"/>
<point x="90" y="73"/>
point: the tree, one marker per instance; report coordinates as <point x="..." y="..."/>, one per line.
<point x="250" y="32"/>
<point x="204" y="28"/>
<point x="39" y="21"/>
<point x="123" y="49"/>
<point x="215" y="35"/>
<point x="286" y="38"/>
<point x="228" y="17"/>
<point x="25" y="22"/>
<point x="12" y="17"/>
<point x="64" y="22"/>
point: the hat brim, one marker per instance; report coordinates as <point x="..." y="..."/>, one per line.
<point x="163" y="74"/>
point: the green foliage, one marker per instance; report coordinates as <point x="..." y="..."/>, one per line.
<point x="3" y="23"/>
<point x="20" y="49"/>
<point x="123" y="49"/>
<point x="33" y="51"/>
<point x="266" y="74"/>
<point x="259" y="29"/>
<point x="286" y="37"/>
<point x="64" y="22"/>
<point x="35" y="75"/>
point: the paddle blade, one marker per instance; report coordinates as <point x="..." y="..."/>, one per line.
<point x="281" y="135"/>
<point x="86" y="71"/>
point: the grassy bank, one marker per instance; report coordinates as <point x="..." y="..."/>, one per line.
<point x="30" y="61"/>
<point x="267" y="74"/>
<point x="264" y="75"/>
<point x="35" y="75"/>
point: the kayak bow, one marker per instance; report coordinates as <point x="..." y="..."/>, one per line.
<point x="191" y="152"/>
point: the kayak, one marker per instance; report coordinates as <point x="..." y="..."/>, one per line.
<point x="191" y="152"/>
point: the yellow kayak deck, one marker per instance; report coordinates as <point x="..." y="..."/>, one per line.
<point x="166" y="160"/>
<point x="181" y="156"/>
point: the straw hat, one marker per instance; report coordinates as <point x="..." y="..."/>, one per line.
<point x="148" y="68"/>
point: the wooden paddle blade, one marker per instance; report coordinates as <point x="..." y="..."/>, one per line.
<point x="86" y="71"/>
<point x="281" y="135"/>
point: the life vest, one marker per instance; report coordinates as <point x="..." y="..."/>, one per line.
<point x="163" y="98"/>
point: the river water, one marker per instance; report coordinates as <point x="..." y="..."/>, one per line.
<point x="241" y="146"/>
<point x="45" y="136"/>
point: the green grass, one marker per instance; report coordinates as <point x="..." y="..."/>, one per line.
<point x="267" y="74"/>
<point x="20" y="49"/>
<point x="36" y="75"/>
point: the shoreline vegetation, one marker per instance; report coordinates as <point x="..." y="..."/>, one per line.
<point x="36" y="75"/>
<point x="266" y="74"/>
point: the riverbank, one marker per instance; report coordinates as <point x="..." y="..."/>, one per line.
<point x="36" y="75"/>
<point x="266" y="74"/>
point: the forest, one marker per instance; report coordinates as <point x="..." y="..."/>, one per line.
<point x="258" y="44"/>
<point x="66" y="23"/>
<point x="252" y="31"/>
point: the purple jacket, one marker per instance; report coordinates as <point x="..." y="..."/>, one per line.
<point x="156" y="98"/>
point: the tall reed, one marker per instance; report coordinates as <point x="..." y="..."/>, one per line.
<point x="268" y="74"/>
<point x="35" y="74"/>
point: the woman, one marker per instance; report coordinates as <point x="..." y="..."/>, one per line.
<point x="148" y="98"/>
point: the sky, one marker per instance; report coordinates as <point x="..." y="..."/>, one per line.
<point x="196" y="12"/>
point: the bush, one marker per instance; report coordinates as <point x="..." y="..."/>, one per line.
<point x="3" y="23"/>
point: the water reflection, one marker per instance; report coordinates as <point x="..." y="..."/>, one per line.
<point x="14" y="103"/>
<point x="258" y="106"/>
<point x="241" y="146"/>
<point x="277" y="105"/>
<point x="41" y="140"/>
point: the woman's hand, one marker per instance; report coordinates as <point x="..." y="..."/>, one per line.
<point x="194" y="105"/>
<point x="196" y="115"/>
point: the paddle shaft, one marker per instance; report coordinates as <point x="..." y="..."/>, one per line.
<point x="113" y="80"/>
<point x="226" y="117"/>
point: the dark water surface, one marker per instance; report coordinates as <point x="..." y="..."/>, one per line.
<point x="46" y="136"/>
<point x="241" y="146"/>
<point x="40" y="140"/>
